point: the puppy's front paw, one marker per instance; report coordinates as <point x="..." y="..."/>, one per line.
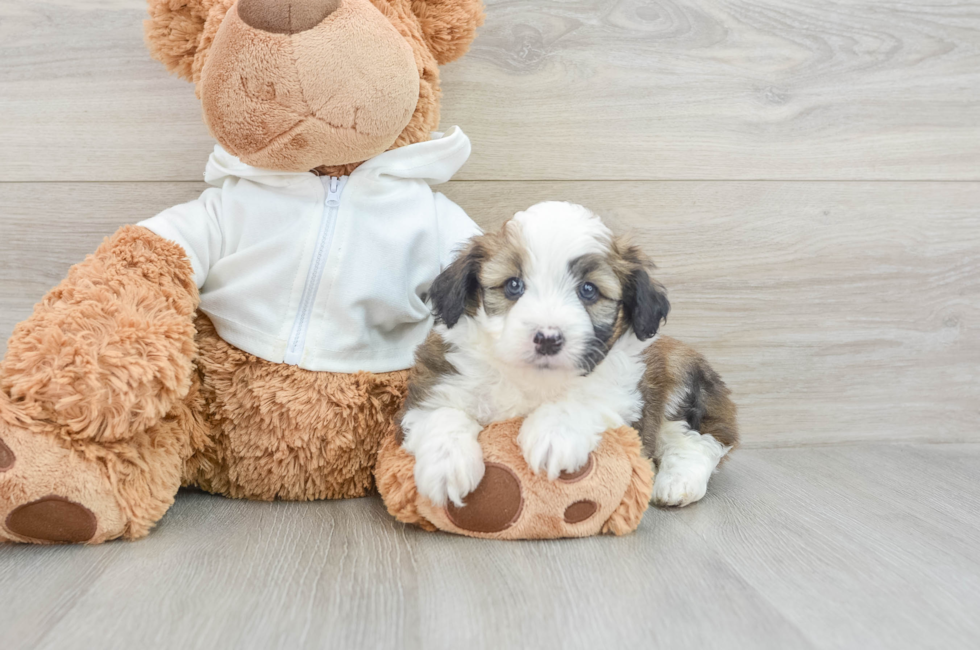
<point x="554" y="444"/>
<point x="448" y="468"/>
<point x="680" y="486"/>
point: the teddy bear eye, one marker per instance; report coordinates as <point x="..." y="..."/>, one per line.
<point x="588" y="292"/>
<point x="513" y="288"/>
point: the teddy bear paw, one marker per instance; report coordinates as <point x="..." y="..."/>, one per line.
<point x="502" y="498"/>
<point x="51" y="495"/>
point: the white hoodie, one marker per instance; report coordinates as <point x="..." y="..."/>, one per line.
<point x="324" y="273"/>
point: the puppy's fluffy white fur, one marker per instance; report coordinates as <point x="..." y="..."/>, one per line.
<point x="499" y="373"/>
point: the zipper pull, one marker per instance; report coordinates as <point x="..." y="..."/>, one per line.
<point x="333" y="192"/>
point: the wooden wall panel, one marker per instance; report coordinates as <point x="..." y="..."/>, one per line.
<point x="836" y="311"/>
<point x="593" y="89"/>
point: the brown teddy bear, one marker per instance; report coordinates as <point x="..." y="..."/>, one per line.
<point x="118" y="389"/>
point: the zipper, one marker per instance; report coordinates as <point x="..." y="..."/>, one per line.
<point x="333" y="187"/>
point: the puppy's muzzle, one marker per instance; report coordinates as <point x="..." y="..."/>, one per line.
<point x="548" y="344"/>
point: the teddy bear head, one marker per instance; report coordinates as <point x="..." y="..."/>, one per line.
<point x="298" y="85"/>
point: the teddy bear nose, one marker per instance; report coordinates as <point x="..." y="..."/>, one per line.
<point x="285" y="16"/>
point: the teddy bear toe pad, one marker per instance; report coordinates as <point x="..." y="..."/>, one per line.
<point x="580" y="473"/>
<point x="493" y="506"/>
<point x="7" y="457"/>
<point x="580" y="511"/>
<point x="53" y="519"/>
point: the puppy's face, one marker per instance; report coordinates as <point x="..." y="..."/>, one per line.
<point x="552" y="290"/>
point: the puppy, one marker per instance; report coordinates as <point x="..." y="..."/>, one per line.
<point x="555" y="320"/>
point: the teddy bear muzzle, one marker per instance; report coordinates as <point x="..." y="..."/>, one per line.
<point x="299" y="84"/>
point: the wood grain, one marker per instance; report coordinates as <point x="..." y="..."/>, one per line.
<point x="630" y="89"/>
<point x="837" y="312"/>
<point x="792" y="548"/>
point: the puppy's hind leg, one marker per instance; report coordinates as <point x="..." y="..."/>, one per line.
<point x="697" y="424"/>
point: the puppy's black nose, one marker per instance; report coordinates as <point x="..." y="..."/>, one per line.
<point x="548" y="344"/>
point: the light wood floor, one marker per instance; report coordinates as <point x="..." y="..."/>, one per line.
<point x="868" y="546"/>
<point x="807" y="176"/>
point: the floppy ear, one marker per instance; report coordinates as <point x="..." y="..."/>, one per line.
<point x="646" y="304"/>
<point x="457" y="289"/>
<point x="449" y="26"/>
<point x="175" y="31"/>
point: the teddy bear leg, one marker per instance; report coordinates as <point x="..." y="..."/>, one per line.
<point x="50" y="494"/>
<point x="54" y="490"/>
<point x="96" y="396"/>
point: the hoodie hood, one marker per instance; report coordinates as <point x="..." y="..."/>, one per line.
<point x="435" y="161"/>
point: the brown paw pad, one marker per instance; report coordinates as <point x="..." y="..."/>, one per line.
<point x="580" y="511"/>
<point x="579" y="474"/>
<point x="7" y="457"/>
<point x="493" y="506"/>
<point x="53" y="519"/>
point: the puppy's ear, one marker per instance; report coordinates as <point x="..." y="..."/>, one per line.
<point x="456" y="290"/>
<point x="646" y="304"/>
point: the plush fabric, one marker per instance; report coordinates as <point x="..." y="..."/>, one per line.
<point x="609" y="495"/>
<point x="448" y="25"/>
<point x="286" y="16"/>
<point x="280" y="432"/>
<point x="179" y="33"/>
<point x="339" y="93"/>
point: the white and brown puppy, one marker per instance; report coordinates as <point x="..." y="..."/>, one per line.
<point x="555" y="320"/>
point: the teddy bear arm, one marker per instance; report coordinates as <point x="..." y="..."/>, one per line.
<point x="108" y="351"/>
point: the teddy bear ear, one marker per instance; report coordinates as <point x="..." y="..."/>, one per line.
<point x="449" y="26"/>
<point x="175" y="31"/>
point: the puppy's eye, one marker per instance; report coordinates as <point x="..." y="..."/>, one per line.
<point x="588" y="292"/>
<point x="513" y="288"/>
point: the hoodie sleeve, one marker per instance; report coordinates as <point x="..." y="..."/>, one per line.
<point x="455" y="228"/>
<point x="195" y="227"/>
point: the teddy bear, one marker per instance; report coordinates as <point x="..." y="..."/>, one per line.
<point x="254" y="342"/>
